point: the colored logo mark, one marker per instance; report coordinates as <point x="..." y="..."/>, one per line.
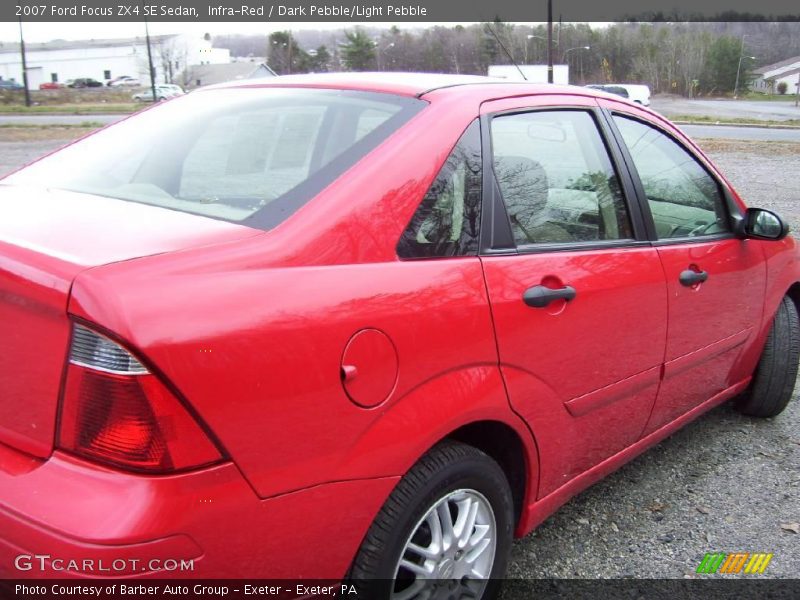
<point x="738" y="562"/>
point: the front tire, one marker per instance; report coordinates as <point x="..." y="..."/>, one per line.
<point x="444" y="532"/>
<point x="774" y="379"/>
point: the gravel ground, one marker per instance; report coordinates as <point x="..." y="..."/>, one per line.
<point x="14" y="154"/>
<point x="725" y="483"/>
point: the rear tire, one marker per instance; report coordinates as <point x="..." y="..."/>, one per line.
<point x="774" y="379"/>
<point x="409" y="551"/>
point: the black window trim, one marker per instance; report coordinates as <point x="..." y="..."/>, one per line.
<point x="734" y="214"/>
<point x="478" y="124"/>
<point x="496" y="235"/>
<point x="276" y="212"/>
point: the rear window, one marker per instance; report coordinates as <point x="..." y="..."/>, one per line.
<point x="252" y="155"/>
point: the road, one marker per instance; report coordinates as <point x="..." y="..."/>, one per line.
<point x="694" y="131"/>
<point x="754" y="110"/>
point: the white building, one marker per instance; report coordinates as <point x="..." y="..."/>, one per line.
<point x="60" y="61"/>
<point x="768" y="78"/>
<point x="533" y="73"/>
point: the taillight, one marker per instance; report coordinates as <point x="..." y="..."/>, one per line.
<point x="115" y="411"/>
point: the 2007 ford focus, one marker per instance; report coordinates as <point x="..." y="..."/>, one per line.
<point x="366" y="326"/>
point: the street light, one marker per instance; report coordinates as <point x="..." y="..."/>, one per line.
<point x="563" y="56"/>
<point x="738" y="70"/>
<point x="378" y="49"/>
<point x="568" y="50"/>
<point x="288" y="46"/>
<point x="530" y="36"/>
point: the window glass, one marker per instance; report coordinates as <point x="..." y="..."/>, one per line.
<point x="229" y="153"/>
<point x="556" y="179"/>
<point x="448" y="218"/>
<point x="683" y="198"/>
<point x="279" y="143"/>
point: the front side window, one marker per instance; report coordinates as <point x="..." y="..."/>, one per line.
<point x="556" y="179"/>
<point x="253" y="155"/>
<point x="684" y="199"/>
<point x="448" y="218"/>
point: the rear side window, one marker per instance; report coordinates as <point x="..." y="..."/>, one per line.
<point x="556" y="179"/>
<point x="253" y="155"/>
<point x="684" y="199"/>
<point x="448" y="218"/>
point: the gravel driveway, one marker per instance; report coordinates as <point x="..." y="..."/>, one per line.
<point x="725" y="483"/>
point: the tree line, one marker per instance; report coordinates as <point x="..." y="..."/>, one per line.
<point x="686" y="58"/>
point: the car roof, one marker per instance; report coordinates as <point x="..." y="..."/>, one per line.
<point x="409" y="84"/>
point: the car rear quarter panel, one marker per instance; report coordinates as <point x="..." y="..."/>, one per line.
<point x="252" y="333"/>
<point x="257" y="353"/>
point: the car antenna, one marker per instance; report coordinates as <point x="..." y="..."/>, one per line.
<point x="511" y="58"/>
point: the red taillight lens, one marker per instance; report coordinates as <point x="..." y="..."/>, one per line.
<point x="115" y="411"/>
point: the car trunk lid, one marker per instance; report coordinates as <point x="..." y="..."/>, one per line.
<point x="47" y="237"/>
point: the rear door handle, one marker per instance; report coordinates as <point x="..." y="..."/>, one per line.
<point x="690" y="278"/>
<point x="540" y="296"/>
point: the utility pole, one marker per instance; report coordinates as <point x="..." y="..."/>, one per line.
<point x="739" y="68"/>
<point x="549" y="41"/>
<point x="797" y="97"/>
<point x="290" y="51"/>
<point x="24" y="65"/>
<point x="150" y="59"/>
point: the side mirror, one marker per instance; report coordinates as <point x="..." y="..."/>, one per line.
<point x="764" y="224"/>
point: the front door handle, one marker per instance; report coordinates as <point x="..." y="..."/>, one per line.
<point x="690" y="278"/>
<point x="540" y="296"/>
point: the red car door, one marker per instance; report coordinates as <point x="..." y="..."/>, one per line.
<point x="577" y="294"/>
<point x="714" y="279"/>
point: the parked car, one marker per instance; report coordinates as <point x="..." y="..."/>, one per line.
<point x="366" y="325"/>
<point x="84" y="82"/>
<point x="51" y="85"/>
<point x="611" y="89"/>
<point x="124" y="81"/>
<point x="6" y="84"/>
<point x="163" y="92"/>
<point x="640" y="94"/>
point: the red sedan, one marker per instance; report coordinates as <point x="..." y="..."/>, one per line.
<point x="364" y="325"/>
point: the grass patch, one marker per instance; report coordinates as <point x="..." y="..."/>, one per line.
<point x="758" y="148"/>
<point x="768" y="97"/>
<point x="701" y="119"/>
<point x="70" y="109"/>
<point x="81" y="125"/>
<point x="45" y="133"/>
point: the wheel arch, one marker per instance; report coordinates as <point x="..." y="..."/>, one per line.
<point x="794" y="294"/>
<point x="469" y="405"/>
<point x="504" y="444"/>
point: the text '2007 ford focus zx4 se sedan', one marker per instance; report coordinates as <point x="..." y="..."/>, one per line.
<point x="366" y="326"/>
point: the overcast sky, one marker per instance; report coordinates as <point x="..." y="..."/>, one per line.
<point x="45" y="32"/>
